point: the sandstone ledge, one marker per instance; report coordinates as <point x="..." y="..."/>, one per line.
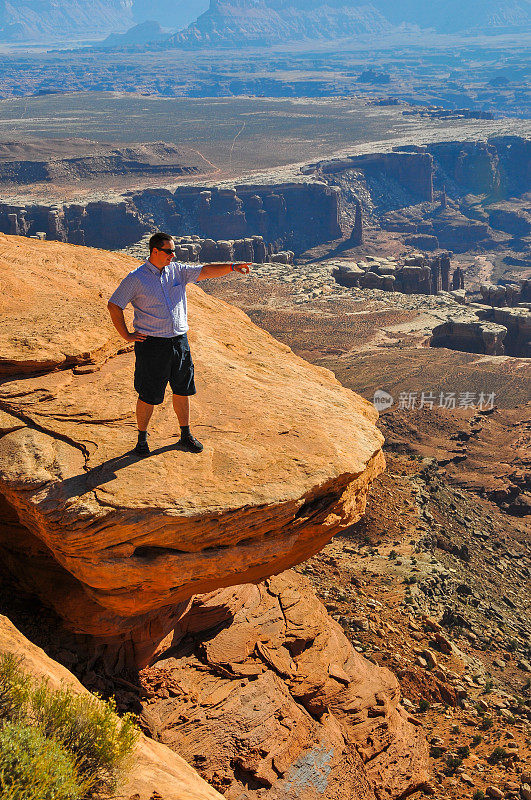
<point x="116" y="544"/>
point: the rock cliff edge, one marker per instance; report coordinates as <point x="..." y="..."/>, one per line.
<point x="119" y="545"/>
<point x="266" y="696"/>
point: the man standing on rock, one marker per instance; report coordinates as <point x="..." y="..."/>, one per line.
<point x="157" y="292"/>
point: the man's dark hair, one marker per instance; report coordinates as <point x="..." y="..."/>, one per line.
<point x="158" y="240"/>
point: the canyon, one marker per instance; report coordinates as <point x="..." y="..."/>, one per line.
<point x="287" y="618"/>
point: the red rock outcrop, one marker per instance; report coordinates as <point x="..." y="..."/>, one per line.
<point x="119" y="545"/>
<point x="267" y="698"/>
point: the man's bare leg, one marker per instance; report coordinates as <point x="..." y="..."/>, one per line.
<point x="181" y="406"/>
<point x="143" y="415"/>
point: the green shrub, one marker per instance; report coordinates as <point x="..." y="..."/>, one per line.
<point x="487" y="723"/>
<point x="477" y="739"/>
<point x="463" y="751"/>
<point x="89" y="728"/>
<point x="15" y="688"/>
<point x="478" y="795"/>
<point x="424" y="705"/>
<point x="497" y="755"/>
<point x="33" y="767"/>
<point x="86" y="727"/>
<point x="452" y="763"/>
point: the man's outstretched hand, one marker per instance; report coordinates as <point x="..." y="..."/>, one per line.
<point x="243" y="268"/>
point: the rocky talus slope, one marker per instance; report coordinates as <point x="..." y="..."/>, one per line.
<point x="125" y="549"/>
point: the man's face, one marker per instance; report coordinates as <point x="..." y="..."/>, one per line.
<point x="162" y="256"/>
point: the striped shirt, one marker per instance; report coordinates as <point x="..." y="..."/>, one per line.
<point x="158" y="298"/>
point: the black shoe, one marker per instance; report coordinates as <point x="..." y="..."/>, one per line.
<point x="142" y="448"/>
<point x="190" y="444"/>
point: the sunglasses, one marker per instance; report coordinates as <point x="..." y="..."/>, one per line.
<point x="166" y="250"/>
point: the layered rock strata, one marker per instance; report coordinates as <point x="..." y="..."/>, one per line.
<point x="294" y="215"/>
<point x="267" y="697"/>
<point x="499" y="164"/>
<point x="413" y="171"/>
<point x="119" y="545"/>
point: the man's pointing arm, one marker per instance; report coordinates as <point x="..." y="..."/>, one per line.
<point x="217" y="270"/>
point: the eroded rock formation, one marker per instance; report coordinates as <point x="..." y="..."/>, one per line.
<point x="267" y="698"/>
<point x="294" y="215"/>
<point x="411" y="170"/>
<point x="414" y="274"/>
<point x="119" y="545"/>
<point x="511" y="294"/>
<point x="472" y="337"/>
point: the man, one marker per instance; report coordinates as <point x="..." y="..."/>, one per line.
<point x="157" y="292"/>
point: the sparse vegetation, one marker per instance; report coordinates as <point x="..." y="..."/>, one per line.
<point x="479" y="794"/>
<point x="487" y="723"/>
<point x="453" y="761"/>
<point x="497" y="755"/>
<point x="423" y="705"/>
<point x="477" y="739"/>
<point x="56" y="745"/>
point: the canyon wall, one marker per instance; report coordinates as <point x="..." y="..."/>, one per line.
<point x="499" y="166"/>
<point x="411" y="170"/>
<point x="301" y="214"/>
<point x="294" y="215"/>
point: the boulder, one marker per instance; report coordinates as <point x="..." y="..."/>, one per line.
<point x="118" y="545"/>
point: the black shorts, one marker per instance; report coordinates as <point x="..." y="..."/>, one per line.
<point x="160" y="361"/>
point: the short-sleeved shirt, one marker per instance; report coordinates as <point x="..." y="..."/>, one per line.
<point x="158" y="298"/>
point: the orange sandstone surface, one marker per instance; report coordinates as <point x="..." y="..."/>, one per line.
<point x="117" y="544"/>
<point x="268" y="698"/>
